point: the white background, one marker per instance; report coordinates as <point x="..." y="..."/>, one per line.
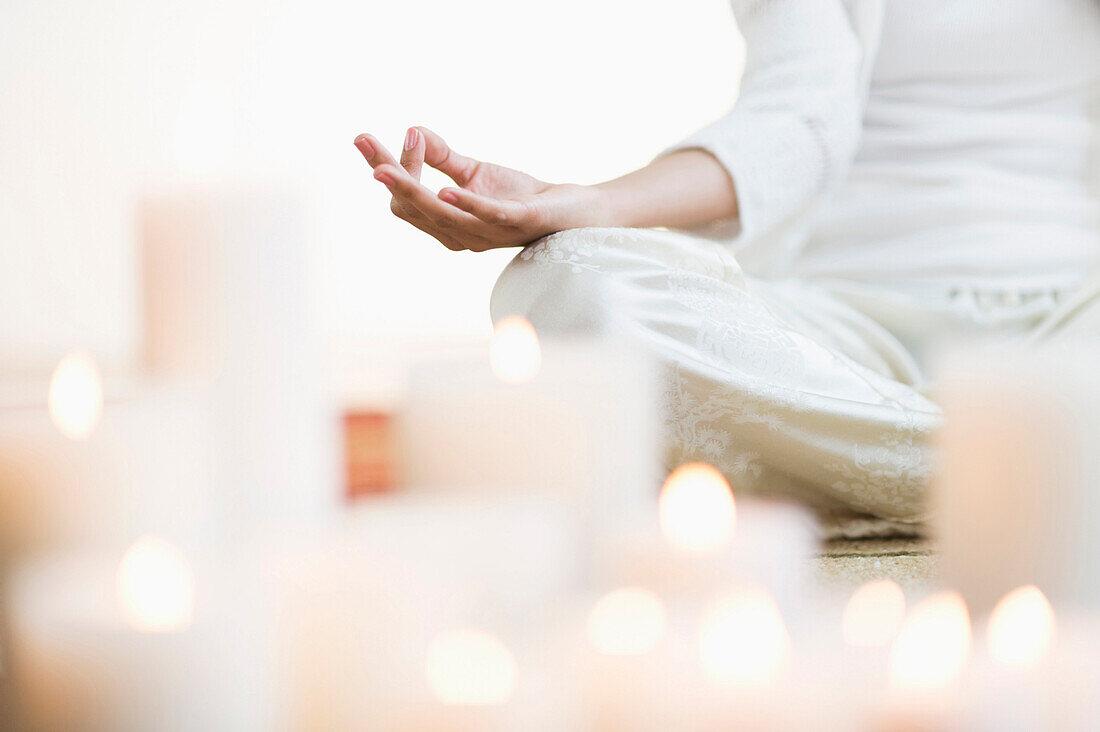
<point x="101" y="100"/>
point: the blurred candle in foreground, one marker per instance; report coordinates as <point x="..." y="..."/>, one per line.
<point x="873" y="614"/>
<point x="515" y="353"/>
<point x="145" y="468"/>
<point x="627" y="621"/>
<point x="76" y="395"/>
<point x="470" y="667"/>
<point x="97" y="644"/>
<point x="156" y="586"/>
<point x="742" y="638"/>
<point x="582" y="430"/>
<point x="933" y="644"/>
<point x="697" y="509"/>
<point x="1016" y="480"/>
<point x="227" y="306"/>
<point x="1021" y="627"/>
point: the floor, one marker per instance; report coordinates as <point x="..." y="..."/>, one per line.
<point x="845" y="564"/>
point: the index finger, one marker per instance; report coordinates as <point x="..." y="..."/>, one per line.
<point x="443" y="214"/>
<point x="374" y="152"/>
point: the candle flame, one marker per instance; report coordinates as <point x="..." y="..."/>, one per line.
<point x="1021" y="627"/>
<point x="515" y="355"/>
<point x="742" y="638"/>
<point x="873" y="614"/>
<point x="696" y="509"/>
<point x="933" y="644"/>
<point x="627" y="621"/>
<point x="156" y="586"/>
<point x="470" y="667"/>
<point x="75" y="395"/>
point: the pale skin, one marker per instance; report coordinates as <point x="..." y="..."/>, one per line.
<point x="491" y="206"/>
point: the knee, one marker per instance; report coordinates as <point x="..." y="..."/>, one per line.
<point x="560" y="283"/>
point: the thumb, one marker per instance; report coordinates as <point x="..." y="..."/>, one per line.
<point x="439" y="155"/>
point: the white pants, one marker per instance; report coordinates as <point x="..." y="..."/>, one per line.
<point x="811" y="390"/>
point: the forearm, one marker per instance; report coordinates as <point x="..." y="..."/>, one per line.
<point x="682" y="189"/>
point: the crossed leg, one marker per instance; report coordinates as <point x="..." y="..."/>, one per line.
<point x="778" y="384"/>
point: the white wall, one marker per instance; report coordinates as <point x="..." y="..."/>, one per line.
<point x="102" y="99"/>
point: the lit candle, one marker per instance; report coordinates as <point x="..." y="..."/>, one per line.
<point x="933" y="644"/>
<point x="627" y="650"/>
<point x="742" y="639"/>
<point x="130" y="641"/>
<point x="381" y="612"/>
<point x="697" y="510"/>
<point x="1016" y="504"/>
<point x="702" y="537"/>
<point x="719" y="662"/>
<point x="1016" y="492"/>
<point x="515" y="355"/>
<point x="570" y="419"/>
<point x="701" y="637"/>
<point x="1008" y="686"/>
<point x="76" y="395"/>
<point x="926" y="660"/>
<point x="470" y="667"/>
<point x="873" y="615"/>
<point x="628" y="621"/>
<point x="86" y="477"/>
<point x="156" y="586"/>
<point x="143" y="465"/>
<point x="1021" y="628"/>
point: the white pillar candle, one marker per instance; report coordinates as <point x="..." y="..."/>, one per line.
<point x="91" y="475"/>
<point x="227" y="303"/>
<point x="1016" y="495"/>
<point x="694" y="631"/>
<point x="582" y="424"/>
<point x="92" y="650"/>
<point x="145" y="465"/>
<point x="723" y="661"/>
<point x="927" y="658"/>
<point x="767" y="543"/>
<point x="1071" y="668"/>
<point x="366" y="605"/>
<point x="1035" y="669"/>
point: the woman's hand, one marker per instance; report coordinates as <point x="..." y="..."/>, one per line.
<point x="491" y="207"/>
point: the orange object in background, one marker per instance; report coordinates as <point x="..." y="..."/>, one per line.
<point x="368" y="451"/>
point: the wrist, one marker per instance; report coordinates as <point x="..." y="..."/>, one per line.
<point x="573" y="206"/>
<point x="603" y="206"/>
<point x="614" y="204"/>
<point x="595" y="207"/>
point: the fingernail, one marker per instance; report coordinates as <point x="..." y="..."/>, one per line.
<point x="410" y="138"/>
<point x="448" y="196"/>
<point x="364" y="146"/>
<point x="385" y="180"/>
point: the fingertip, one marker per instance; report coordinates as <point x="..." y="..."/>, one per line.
<point x="383" y="175"/>
<point x="363" y="143"/>
<point x="426" y="133"/>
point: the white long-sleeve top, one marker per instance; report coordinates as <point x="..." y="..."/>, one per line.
<point x="943" y="142"/>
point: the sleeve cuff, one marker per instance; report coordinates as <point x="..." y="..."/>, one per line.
<point x="775" y="161"/>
